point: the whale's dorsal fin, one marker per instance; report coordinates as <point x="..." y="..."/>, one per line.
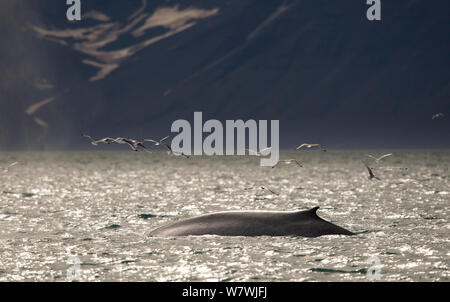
<point x="312" y="212"/>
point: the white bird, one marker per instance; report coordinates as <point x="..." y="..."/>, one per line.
<point x="106" y="140"/>
<point x="134" y="144"/>
<point x="160" y="143"/>
<point x="123" y="140"/>
<point x="262" y="188"/>
<point x="93" y="141"/>
<point x="139" y="144"/>
<point x="379" y="158"/>
<point x="267" y="189"/>
<point x="157" y="143"/>
<point x="260" y="153"/>
<point x="311" y="146"/>
<point x="287" y="161"/>
<point x="437" y="115"/>
<point x="6" y="169"/>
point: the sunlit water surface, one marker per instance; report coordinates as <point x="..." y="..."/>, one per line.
<point x="56" y="207"/>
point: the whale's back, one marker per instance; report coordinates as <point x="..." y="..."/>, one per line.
<point x="253" y="223"/>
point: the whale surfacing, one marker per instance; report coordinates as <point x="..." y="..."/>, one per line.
<point x="253" y="223"/>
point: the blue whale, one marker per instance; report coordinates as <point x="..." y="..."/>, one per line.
<point x="253" y="223"/>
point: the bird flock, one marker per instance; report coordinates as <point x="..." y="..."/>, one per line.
<point x="135" y="144"/>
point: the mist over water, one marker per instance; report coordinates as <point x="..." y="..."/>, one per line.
<point x="99" y="206"/>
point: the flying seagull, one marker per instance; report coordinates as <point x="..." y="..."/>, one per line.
<point x="311" y="146"/>
<point x="95" y="142"/>
<point x="160" y="143"/>
<point x="123" y="140"/>
<point x="287" y="161"/>
<point x="379" y="158"/>
<point x="256" y="153"/>
<point x="157" y="143"/>
<point x="267" y="189"/>
<point x="139" y="144"/>
<point x="6" y="169"/>
<point x="371" y="175"/>
<point x="262" y="188"/>
<point x="437" y="115"/>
